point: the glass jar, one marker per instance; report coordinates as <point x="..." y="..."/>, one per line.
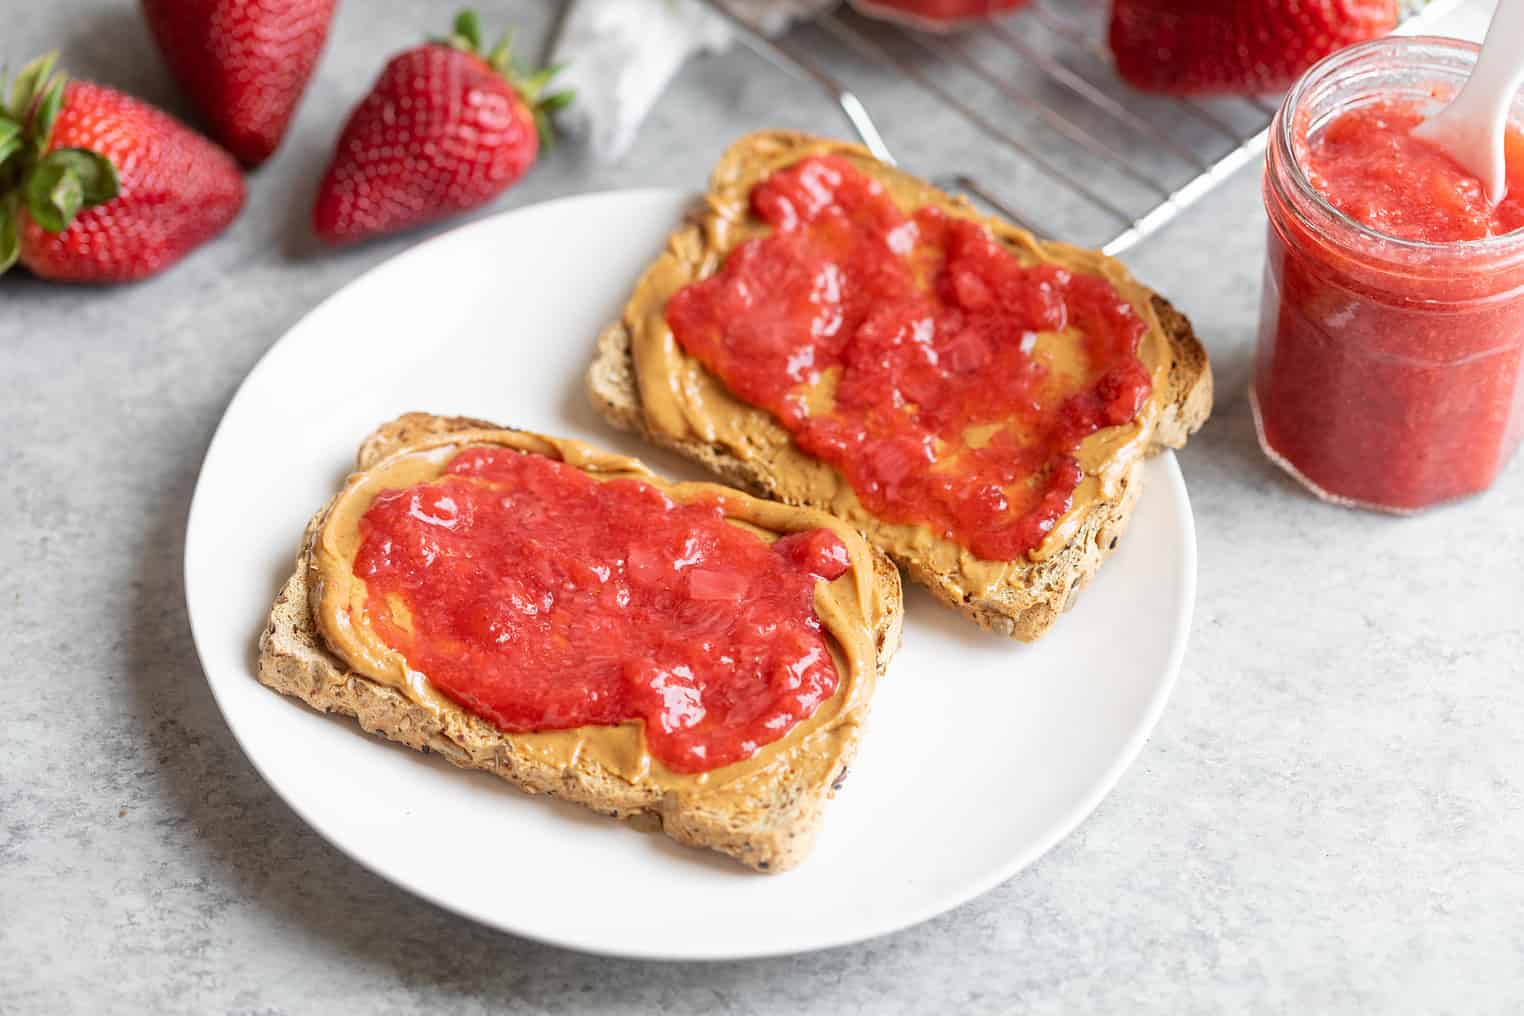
<point x="1389" y="372"/>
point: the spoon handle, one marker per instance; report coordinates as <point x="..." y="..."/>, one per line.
<point x="1500" y="66"/>
<point x="1493" y="85"/>
<point x="1473" y="127"/>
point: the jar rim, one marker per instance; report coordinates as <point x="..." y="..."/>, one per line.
<point x="1328" y="67"/>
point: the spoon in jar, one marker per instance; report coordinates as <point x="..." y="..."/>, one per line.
<point x="1472" y="127"/>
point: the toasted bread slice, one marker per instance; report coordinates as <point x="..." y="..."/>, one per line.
<point x="766" y="818"/>
<point x="1021" y="598"/>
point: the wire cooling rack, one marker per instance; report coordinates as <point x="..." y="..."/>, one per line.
<point x="1079" y="154"/>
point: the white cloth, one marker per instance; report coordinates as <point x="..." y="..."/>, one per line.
<point x="620" y="55"/>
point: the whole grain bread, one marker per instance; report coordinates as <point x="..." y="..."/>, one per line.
<point x="1031" y="594"/>
<point x="769" y="819"/>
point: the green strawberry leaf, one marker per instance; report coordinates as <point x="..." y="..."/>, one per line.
<point x="53" y="197"/>
<point x="543" y="109"/>
<point x="97" y="176"/>
<point x="29" y="82"/>
<point x="47" y="112"/>
<point x="11" y="142"/>
<point x="531" y="86"/>
<point x="501" y="57"/>
<point x="10" y="235"/>
<point x="65" y="182"/>
<point x="560" y="100"/>
<point x="545" y="130"/>
<point x="466" y="33"/>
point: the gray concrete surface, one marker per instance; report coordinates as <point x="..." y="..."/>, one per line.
<point x="1329" y="818"/>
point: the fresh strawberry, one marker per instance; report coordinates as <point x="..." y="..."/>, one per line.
<point x="936" y="14"/>
<point x="96" y="186"/>
<point x="442" y="130"/>
<point x="245" y="63"/>
<point x="1189" y="47"/>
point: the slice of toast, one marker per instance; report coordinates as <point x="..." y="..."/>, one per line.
<point x="767" y="818"/>
<point x="1021" y="598"/>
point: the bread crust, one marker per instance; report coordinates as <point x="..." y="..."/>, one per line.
<point x="771" y="829"/>
<point x="1028" y="602"/>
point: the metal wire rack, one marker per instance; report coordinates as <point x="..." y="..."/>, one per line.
<point x="1085" y="157"/>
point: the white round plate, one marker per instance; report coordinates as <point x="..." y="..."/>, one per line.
<point x="980" y="754"/>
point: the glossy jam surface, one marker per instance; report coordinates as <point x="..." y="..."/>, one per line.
<point x="1390" y="376"/>
<point x="541" y="599"/>
<point x="1369" y="166"/>
<point x="950" y="384"/>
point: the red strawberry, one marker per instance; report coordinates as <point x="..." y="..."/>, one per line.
<point x="442" y="130"/>
<point x="96" y="186"/>
<point x="1187" y="47"/>
<point x="245" y="63"/>
<point x="936" y="14"/>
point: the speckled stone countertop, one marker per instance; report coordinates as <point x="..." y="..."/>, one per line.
<point x="1330" y="816"/>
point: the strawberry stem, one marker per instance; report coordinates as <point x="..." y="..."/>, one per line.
<point x="51" y="186"/>
<point x="466" y="36"/>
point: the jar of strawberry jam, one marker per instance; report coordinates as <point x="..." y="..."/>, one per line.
<point x="1390" y="366"/>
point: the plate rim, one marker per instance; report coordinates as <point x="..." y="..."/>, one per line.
<point x="1167" y="472"/>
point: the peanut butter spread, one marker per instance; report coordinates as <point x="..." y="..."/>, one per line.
<point x="682" y="400"/>
<point x="850" y="609"/>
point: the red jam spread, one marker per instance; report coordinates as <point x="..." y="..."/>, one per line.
<point x="541" y="599"/>
<point x="1369" y="166"/>
<point x="904" y="350"/>
<point x="1390" y="375"/>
